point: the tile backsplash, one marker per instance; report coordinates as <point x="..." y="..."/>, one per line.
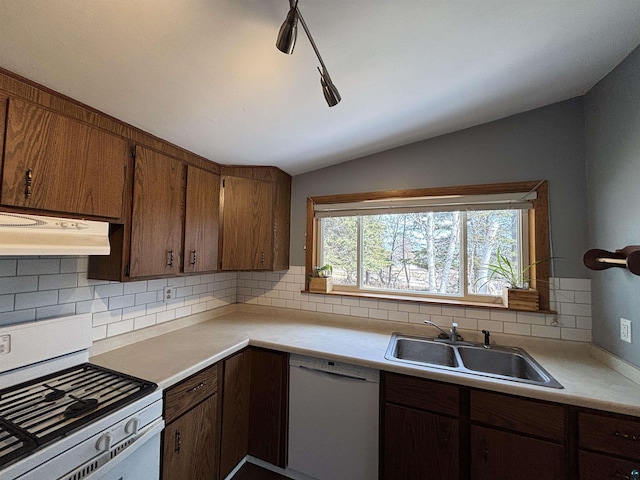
<point x="35" y="288"/>
<point x="571" y="298"/>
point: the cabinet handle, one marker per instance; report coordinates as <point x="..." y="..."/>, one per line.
<point x="27" y="183"/>
<point x="170" y="258"/>
<point x="626" y="436"/>
<point x="262" y="258"/>
<point x="485" y="451"/>
<point x="178" y="442"/>
<point x="633" y="475"/>
<point x="197" y="387"/>
<point x="193" y="257"/>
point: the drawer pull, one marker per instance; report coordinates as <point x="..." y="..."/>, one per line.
<point x="27" y="183"/>
<point x="178" y="442"/>
<point x="626" y="436"/>
<point x="197" y="387"/>
<point x="169" y="258"/>
<point x="193" y="257"/>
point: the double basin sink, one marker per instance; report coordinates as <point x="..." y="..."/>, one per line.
<point x="505" y="363"/>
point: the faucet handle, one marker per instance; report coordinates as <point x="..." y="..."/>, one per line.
<point x="487" y="342"/>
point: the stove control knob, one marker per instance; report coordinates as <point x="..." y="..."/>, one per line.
<point x="132" y="426"/>
<point x="104" y="442"/>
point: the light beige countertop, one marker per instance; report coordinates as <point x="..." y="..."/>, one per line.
<point x="171" y="356"/>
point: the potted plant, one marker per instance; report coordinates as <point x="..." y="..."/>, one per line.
<point x="516" y="292"/>
<point x="320" y="280"/>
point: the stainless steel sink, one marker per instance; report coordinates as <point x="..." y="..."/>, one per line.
<point x="420" y="351"/>
<point x="506" y="363"/>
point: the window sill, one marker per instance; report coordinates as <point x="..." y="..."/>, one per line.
<point x="428" y="301"/>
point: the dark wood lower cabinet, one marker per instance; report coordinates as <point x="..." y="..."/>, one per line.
<point x="419" y="445"/>
<point x="594" y="466"/>
<point x="190" y="444"/>
<point x="502" y="455"/>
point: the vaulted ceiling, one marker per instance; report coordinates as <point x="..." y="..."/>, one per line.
<point x="205" y="74"/>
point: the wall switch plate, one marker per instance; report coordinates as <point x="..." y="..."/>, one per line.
<point x="168" y="293"/>
<point x="5" y="344"/>
<point x="625" y="330"/>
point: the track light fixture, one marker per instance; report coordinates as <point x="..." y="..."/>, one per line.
<point x="287" y="40"/>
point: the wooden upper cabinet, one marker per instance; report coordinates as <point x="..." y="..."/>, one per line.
<point x="157" y="218"/>
<point x="201" y="221"/>
<point x="60" y="165"/>
<point x="255" y="223"/>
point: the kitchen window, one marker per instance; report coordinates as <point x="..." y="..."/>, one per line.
<point x="430" y="244"/>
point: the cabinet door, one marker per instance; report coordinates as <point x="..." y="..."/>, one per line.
<point x="247" y="224"/>
<point x="201" y="221"/>
<point x="269" y="406"/>
<point x="419" y="445"/>
<point x="190" y="444"/>
<point x="156" y="225"/>
<point x="70" y="167"/>
<point x="596" y="467"/>
<point x="501" y="455"/>
<point x="235" y="411"/>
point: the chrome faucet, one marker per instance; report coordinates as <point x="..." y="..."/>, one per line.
<point x="454" y="336"/>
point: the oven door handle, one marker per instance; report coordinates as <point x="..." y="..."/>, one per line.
<point x="144" y="434"/>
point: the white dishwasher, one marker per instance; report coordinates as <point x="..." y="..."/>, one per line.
<point x="333" y="419"/>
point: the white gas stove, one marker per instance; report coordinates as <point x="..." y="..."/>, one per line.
<point x="62" y="418"/>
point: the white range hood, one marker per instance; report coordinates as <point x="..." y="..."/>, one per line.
<point x="37" y="235"/>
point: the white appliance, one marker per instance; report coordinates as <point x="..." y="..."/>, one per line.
<point x="62" y="418"/>
<point x="38" y="235"/>
<point x="333" y="420"/>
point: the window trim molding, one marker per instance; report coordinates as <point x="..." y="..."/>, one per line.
<point x="539" y="244"/>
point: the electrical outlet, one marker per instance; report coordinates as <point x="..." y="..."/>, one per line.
<point x="169" y="293"/>
<point x="5" y="344"/>
<point x="625" y="330"/>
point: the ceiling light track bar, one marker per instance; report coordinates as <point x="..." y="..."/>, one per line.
<point x="286" y="42"/>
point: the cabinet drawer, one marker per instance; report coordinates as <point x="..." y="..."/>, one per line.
<point x="188" y="393"/>
<point x="596" y="467"/>
<point x="420" y="393"/>
<point x="518" y="414"/>
<point x="615" y="435"/>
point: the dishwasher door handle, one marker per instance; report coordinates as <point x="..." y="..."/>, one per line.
<point x="333" y="374"/>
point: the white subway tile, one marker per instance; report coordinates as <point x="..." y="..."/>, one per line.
<point x="310" y="306"/>
<point x="8" y="267"/>
<point x="79" y="294"/>
<point x="431" y="309"/>
<point x="142" y="322"/>
<point x="341" y="309"/>
<point x="333" y="299"/>
<point x="258" y="276"/>
<point x="110" y="316"/>
<point x="368" y="303"/>
<point x="198" y="289"/>
<point x="267" y="302"/>
<point x="278" y="302"/>
<point x="192" y="280"/>
<point x="183" y="311"/>
<point x="417" y="317"/>
<point x="109" y="290"/>
<point x="18" y="316"/>
<point x="18" y="284"/>
<point x="184" y="291"/>
<point x="153" y="307"/>
<point x="36" y="299"/>
<point x="478" y="313"/>
<point x="503" y="316"/>
<point x="99" y="333"/>
<point x="491" y="325"/>
<point x="578" y="284"/>
<point x="378" y="314"/>
<point x="531" y="318"/>
<point x="63" y="280"/>
<point x="545" y="331"/>
<point x="467" y="323"/>
<point x="198" y="308"/>
<point x="396" y="316"/>
<point x="148" y="297"/>
<point x="135" y="287"/>
<point x="55" y="311"/>
<point x="133" y="312"/>
<point x="359" y="312"/>
<point x="584" y="323"/>
<point x="454" y="311"/>
<point x="295" y="304"/>
<point x="6" y="303"/>
<point x="38" y="266"/>
<point x="119" y="328"/>
<point x="567" y="321"/>
<point x="323" y="308"/>
<point x="191" y="300"/>
<point x="122" y="301"/>
<point x="91" y="306"/>
<point x="578" y="309"/>
<point x="583" y="297"/>
<point x="351" y="302"/>
<point x="166" y="316"/>
<point x="158" y="284"/>
<point x="408" y="307"/>
<point x="576" y="334"/>
<point x="517" y="329"/>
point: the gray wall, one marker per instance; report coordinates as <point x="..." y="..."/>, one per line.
<point x="547" y="143"/>
<point x="612" y="130"/>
